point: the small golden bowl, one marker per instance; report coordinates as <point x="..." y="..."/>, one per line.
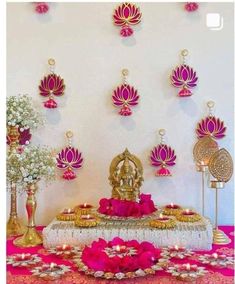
<point x="172" y="210"/>
<point x="188" y="216"/>
<point x="66" y="215"/>
<point x="86" y="221"/>
<point x="163" y="223"/>
<point x="83" y="209"/>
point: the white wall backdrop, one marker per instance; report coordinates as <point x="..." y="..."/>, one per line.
<point x="90" y="55"/>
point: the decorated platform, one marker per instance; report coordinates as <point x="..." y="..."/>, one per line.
<point x="197" y="236"/>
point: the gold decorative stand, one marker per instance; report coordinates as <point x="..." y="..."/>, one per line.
<point x="202" y="151"/>
<point x="219" y="237"/>
<point x="14" y="226"/>
<point x="221" y="168"/>
<point x="31" y="237"/>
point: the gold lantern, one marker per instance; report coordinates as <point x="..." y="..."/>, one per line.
<point x="221" y="168"/>
<point x="202" y="152"/>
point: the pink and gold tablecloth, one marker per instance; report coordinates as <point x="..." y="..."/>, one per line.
<point x="215" y="276"/>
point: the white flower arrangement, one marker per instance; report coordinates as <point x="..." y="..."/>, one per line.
<point x="13" y="169"/>
<point x="36" y="163"/>
<point x="22" y="113"/>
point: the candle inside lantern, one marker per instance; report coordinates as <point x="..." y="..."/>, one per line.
<point x="118" y="249"/>
<point x="52" y="266"/>
<point x="85" y="206"/>
<point x="23" y="257"/>
<point x="215" y="255"/>
<point x="188" y="266"/>
<point x="162" y="218"/>
<point x="68" y="211"/>
<point x="64" y="247"/>
<point x="188" y="212"/>
<point x="172" y="206"/>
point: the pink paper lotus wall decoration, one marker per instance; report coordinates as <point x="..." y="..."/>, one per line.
<point x="210" y="125"/>
<point x="51" y="85"/>
<point x="162" y="156"/>
<point x="125" y="15"/>
<point x="184" y="77"/>
<point x="191" y="6"/>
<point x="125" y="97"/>
<point x="69" y="159"/>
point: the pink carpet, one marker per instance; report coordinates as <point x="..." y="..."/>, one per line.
<point x="23" y="276"/>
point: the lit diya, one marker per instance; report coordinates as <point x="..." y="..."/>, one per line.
<point x="86" y="221"/>
<point x="120" y="251"/>
<point x="188" y="216"/>
<point x="163" y="222"/>
<point x="50" y="271"/>
<point x="64" y="251"/>
<point x="23" y="260"/>
<point x="83" y="209"/>
<point x="216" y="260"/>
<point x="176" y="252"/>
<point x="186" y="272"/>
<point x="66" y="215"/>
<point x="172" y="209"/>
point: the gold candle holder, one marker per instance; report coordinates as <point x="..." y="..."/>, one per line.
<point x="221" y="168"/>
<point x="50" y="272"/>
<point x="163" y="222"/>
<point x="187" y="272"/>
<point x="86" y="221"/>
<point x="65" y="251"/>
<point x="66" y="215"/>
<point x="188" y="216"/>
<point x="23" y="260"/>
<point x="202" y="152"/>
<point x="172" y="209"/>
<point x="83" y="209"/>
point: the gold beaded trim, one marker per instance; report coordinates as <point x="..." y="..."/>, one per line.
<point x="109" y="275"/>
<point x="68" y="217"/>
<point x="168" y="224"/>
<point x="188" y="218"/>
<point x="171" y="212"/>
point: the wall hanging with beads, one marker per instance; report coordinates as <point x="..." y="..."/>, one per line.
<point x="210" y="125"/>
<point x="125" y="96"/>
<point x="51" y="85"/>
<point x="184" y="77"/>
<point x="69" y="159"/>
<point x="126" y="15"/>
<point x="162" y="156"/>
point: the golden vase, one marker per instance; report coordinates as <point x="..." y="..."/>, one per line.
<point x="31" y="237"/>
<point x="14" y="225"/>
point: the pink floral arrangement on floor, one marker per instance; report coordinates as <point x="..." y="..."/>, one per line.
<point x="125" y="208"/>
<point x="119" y="255"/>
